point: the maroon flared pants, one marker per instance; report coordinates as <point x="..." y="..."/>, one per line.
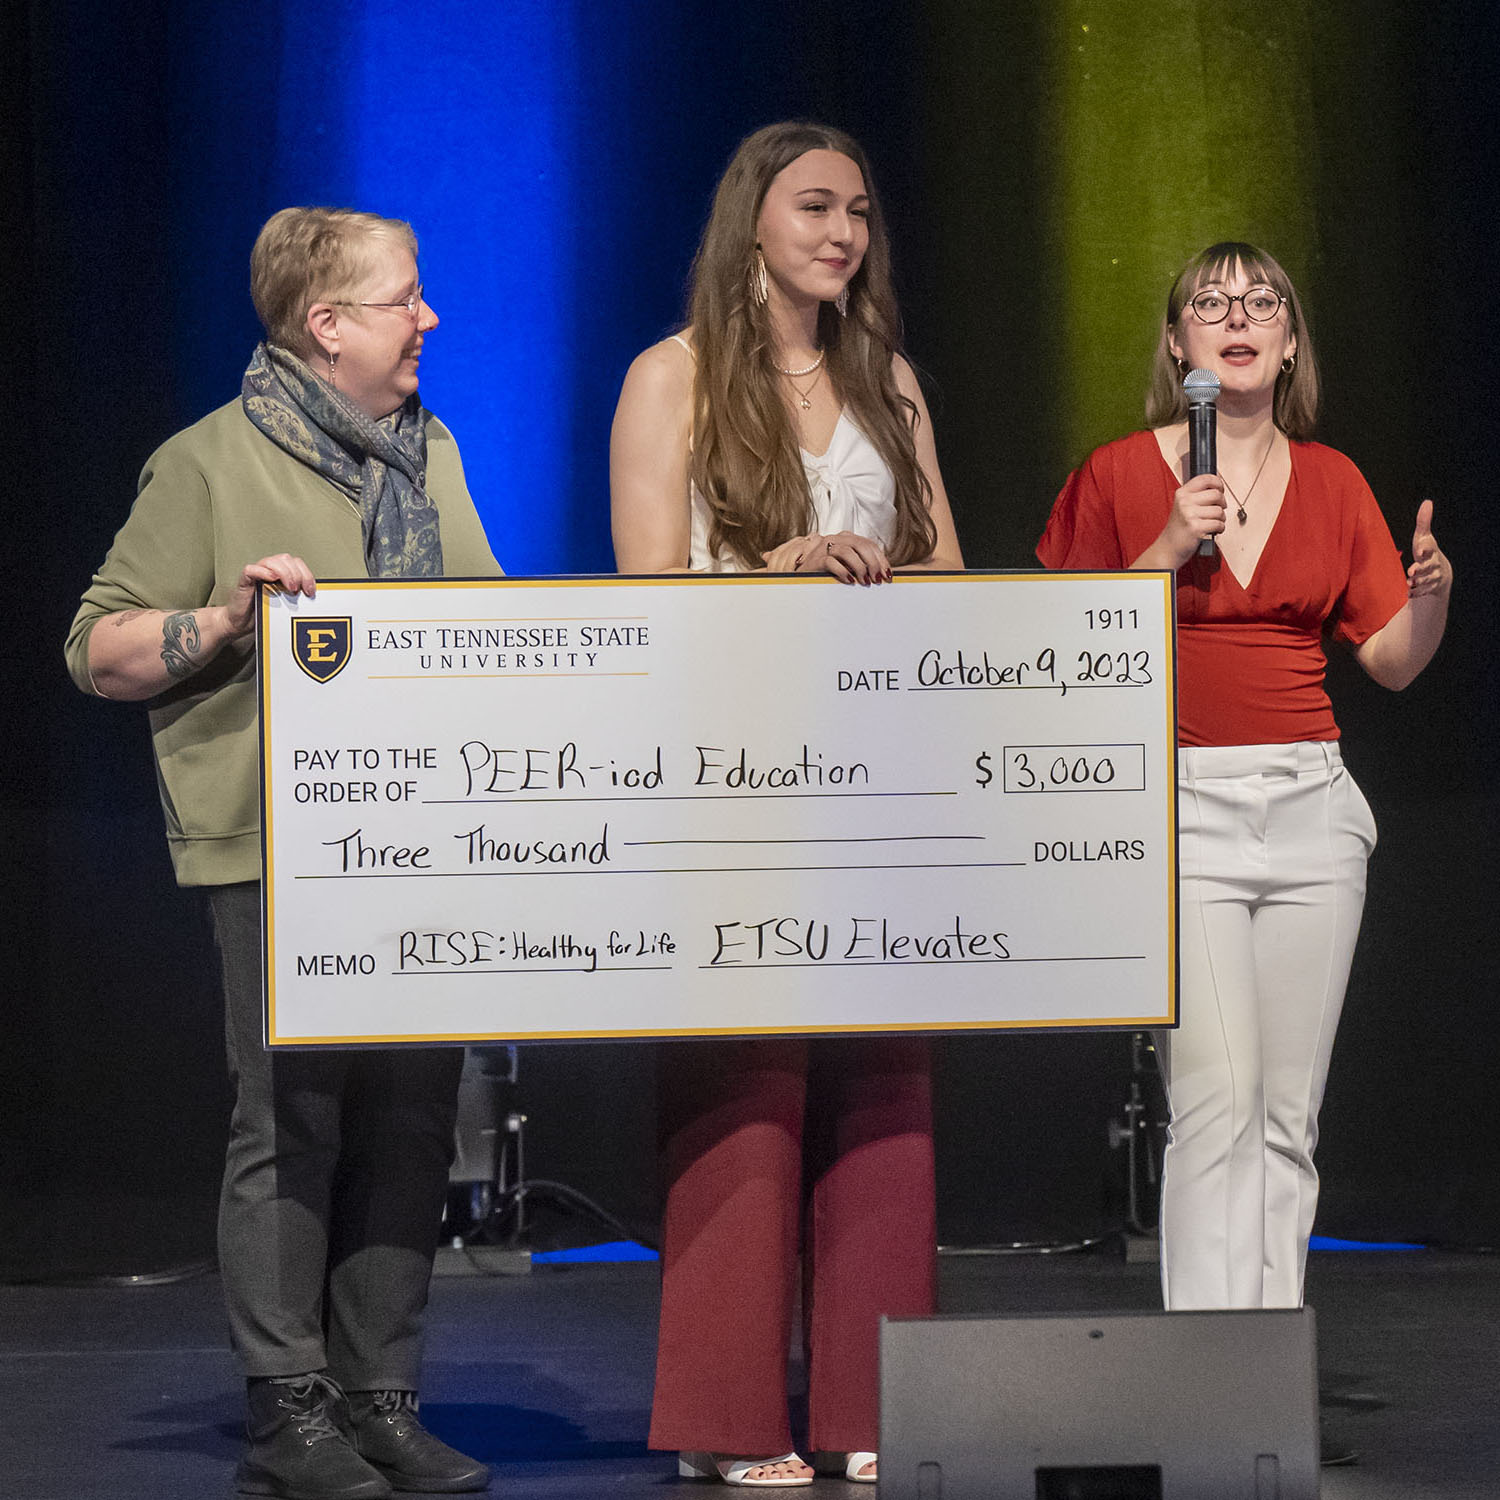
<point x="735" y="1118"/>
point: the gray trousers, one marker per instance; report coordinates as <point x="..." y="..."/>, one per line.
<point x="333" y="1187"/>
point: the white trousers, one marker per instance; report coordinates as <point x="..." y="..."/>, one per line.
<point x="1273" y="842"/>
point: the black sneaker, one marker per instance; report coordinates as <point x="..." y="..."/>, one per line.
<point x="297" y="1450"/>
<point x="384" y="1429"/>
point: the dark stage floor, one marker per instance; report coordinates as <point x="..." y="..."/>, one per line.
<point x="123" y="1393"/>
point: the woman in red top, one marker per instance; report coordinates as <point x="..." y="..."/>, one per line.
<point x="1273" y="832"/>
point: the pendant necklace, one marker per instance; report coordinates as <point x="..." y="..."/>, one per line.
<point x="791" y="375"/>
<point x="802" y="396"/>
<point x="1239" y="505"/>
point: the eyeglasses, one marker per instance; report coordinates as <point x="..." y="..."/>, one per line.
<point x="409" y="305"/>
<point x="1261" y="304"/>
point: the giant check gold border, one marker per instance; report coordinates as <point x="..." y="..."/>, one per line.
<point x="1168" y="1018"/>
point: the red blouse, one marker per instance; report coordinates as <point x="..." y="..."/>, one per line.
<point x="1250" y="663"/>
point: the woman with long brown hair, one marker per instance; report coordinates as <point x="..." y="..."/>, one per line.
<point x="781" y="430"/>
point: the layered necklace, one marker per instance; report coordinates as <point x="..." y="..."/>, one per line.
<point x="815" y="369"/>
<point x="1239" y="505"/>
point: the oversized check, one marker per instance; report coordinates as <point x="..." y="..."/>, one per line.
<point x="528" y="808"/>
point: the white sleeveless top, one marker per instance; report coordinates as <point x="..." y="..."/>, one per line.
<point x="851" y="488"/>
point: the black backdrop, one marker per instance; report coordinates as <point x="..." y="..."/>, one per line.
<point x="111" y="1073"/>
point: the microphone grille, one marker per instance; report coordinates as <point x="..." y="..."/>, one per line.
<point x="1201" y="387"/>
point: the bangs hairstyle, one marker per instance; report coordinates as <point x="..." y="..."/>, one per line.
<point x="307" y="255"/>
<point x="1295" y="408"/>
<point x="746" y="459"/>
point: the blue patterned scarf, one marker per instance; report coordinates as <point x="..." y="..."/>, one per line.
<point x="381" y="466"/>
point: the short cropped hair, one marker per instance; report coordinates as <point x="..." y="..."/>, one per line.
<point x="307" y="255"/>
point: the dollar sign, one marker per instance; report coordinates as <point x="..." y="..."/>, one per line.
<point x="985" y="774"/>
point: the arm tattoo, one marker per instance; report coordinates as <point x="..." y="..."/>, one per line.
<point x="180" y="643"/>
<point x="120" y="617"/>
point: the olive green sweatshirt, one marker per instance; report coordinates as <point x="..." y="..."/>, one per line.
<point x="214" y="497"/>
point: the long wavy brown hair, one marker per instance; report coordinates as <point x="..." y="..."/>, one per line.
<point x="746" y="460"/>
<point x="1295" y="403"/>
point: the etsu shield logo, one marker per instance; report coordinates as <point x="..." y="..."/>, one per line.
<point x="321" y="647"/>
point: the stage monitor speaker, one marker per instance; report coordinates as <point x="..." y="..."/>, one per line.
<point x="1111" y="1406"/>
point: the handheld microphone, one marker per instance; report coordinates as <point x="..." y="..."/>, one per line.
<point x="1201" y="387"/>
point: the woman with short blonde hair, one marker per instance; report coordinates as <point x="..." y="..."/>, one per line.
<point x="325" y="465"/>
<point x="307" y="255"/>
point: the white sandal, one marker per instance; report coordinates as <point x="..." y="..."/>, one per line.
<point x="850" y="1463"/>
<point x="694" y="1465"/>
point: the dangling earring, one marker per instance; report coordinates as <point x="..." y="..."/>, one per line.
<point x="333" y="366"/>
<point x="760" y="288"/>
<point x="842" y="303"/>
<point x="1289" y="364"/>
<point x="1182" y="367"/>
